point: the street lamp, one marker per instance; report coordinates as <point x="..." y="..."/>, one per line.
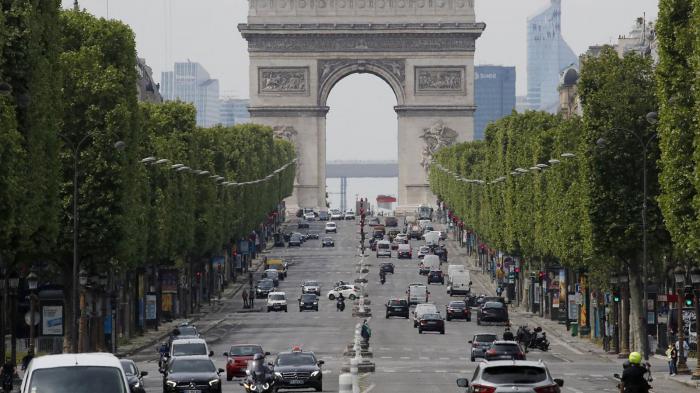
<point x="695" y="279"/>
<point x="623" y="279"/>
<point x="679" y="277"/>
<point x="614" y="283"/>
<point x="32" y="283"/>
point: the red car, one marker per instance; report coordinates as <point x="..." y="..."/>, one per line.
<point x="238" y="357"/>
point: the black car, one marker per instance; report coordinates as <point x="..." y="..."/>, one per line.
<point x="494" y="313"/>
<point x="498" y="299"/>
<point x="191" y="373"/>
<point x="303" y="225"/>
<point x="431" y="323"/>
<point x="279" y="240"/>
<point x="387" y="267"/>
<point x="323" y="215"/>
<point x="298" y="370"/>
<point x="295" y="241"/>
<point x="312" y="236"/>
<point x="504" y="350"/>
<point x="308" y="301"/>
<point x="436" y="276"/>
<point x="327" y="242"/>
<point x="397" y="308"/>
<point x="133" y="376"/>
<point x="441" y="251"/>
<point x="458" y="310"/>
<point x="263" y="288"/>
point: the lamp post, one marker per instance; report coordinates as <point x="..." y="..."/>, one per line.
<point x="75" y="149"/>
<point x="695" y="279"/>
<point x="614" y="282"/>
<point x="32" y="283"/>
<point x="623" y="279"/>
<point x="644" y="143"/>
<point x="82" y="279"/>
<point x="13" y="285"/>
<point x="679" y="277"/>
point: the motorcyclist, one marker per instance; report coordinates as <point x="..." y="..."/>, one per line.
<point x="382" y="276"/>
<point x="258" y="371"/>
<point x="340" y="304"/>
<point x="163" y="351"/>
<point x="508" y="335"/>
<point x="633" y="379"/>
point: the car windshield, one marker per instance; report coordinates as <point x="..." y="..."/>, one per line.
<point x="245" y="350"/>
<point x="431" y="316"/>
<point x="514" y="374"/>
<point x="81" y="379"/>
<point x="192" y="366"/>
<point x="398" y="302"/>
<point x="308" y="298"/>
<point x="311" y="283"/>
<point x="277" y="297"/>
<point x="295" y="359"/>
<point x="266" y="284"/>
<point x="493" y="305"/>
<point x="187" y="331"/>
<point x="189" y="349"/>
<point x="327" y="239"/>
<point x="485" y="338"/>
<point x="459" y="305"/>
<point x="505" y="348"/>
<point x="128" y="367"/>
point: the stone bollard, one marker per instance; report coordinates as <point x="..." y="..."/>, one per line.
<point x="345" y="383"/>
<point x="354" y="362"/>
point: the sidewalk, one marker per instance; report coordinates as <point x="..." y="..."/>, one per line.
<point x="554" y="329"/>
<point x="153" y="338"/>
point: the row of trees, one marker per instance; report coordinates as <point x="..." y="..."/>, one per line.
<point x="69" y="77"/>
<point x="569" y="191"/>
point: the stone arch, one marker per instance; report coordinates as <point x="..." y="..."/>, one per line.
<point x="391" y="71"/>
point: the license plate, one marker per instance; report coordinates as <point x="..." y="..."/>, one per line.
<point x="397" y="308"/>
<point x="296" y="382"/>
<point x="193" y="391"/>
<point x="431" y="322"/>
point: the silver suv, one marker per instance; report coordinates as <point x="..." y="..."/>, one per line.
<point x="515" y="375"/>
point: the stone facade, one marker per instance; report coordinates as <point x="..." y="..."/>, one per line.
<point x="424" y="50"/>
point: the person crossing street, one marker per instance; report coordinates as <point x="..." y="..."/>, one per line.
<point x="245" y="298"/>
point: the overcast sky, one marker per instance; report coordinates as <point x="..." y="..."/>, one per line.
<point x="205" y="31"/>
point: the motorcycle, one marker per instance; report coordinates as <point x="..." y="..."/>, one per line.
<point x="540" y="342"/>
<point x="162" y="355"/>
<point x="258" y="382"/>
<point x="382" y="279"/>
<point x="340" y="304"/>
<point x="524" y="336"/>
<point x="647" y="376"/>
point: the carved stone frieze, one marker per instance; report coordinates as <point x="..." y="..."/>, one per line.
<point x="341" y="7"/>
<point x="436" y="137"/>
<point x="440" y="80"/>
<point x="293" y="80"/>
<point x="394" y="67"/>
<point x="456" y="42"/>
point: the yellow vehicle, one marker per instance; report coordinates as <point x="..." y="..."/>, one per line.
<point x="278" y="264"/>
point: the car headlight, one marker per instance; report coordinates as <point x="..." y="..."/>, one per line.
<point x="137" y="385"/>
<point x="214" y="382"/>
<point x="315" y="373"/>
<point x="278" y="374"/>
<point x="315" y="303"/>
<point x="171" y="384"/>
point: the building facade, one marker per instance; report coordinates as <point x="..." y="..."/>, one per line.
<point x="547" y="56"/>
<point x="148" y="89"/>
<point x="234" y="111"/>
<point x="190" y="82"/>
<point x="494" y="94"/>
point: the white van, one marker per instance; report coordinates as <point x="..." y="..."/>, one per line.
<point x="383" y="248"/>
<point x="452" y="269"/>
<point x="431" y="262"/>
<point x="459" y="284"/>
<point x="417" y="293"/>
<point x="432" y="238"/>
<point x="75" y="373"/>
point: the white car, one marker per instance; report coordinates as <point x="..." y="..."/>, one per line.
<point x="310" y="216"/>
<point x="311" y="286"/>
<point x="349" y="215"/>
<point x="336" y="214"/>
<point x="401" y="237"/>
<point x="276" y="301"/>
<point x="349" y="292"/>
<point x="189" y="347"/>
<point x="75" y="373"/>
<point x="331" y="227"/>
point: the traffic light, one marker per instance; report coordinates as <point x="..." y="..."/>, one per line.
<point x="688" y="297"/>
<point x="616" y="296"/>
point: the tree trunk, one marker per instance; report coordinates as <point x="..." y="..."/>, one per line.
<point x="637" y="317"/>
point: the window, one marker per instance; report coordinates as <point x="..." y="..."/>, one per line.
<point x="296" y="359"/>
<point x="192" y="366"/>
<point x="485" y="338"/>
<point x="80" y="379"/>
<point x="514" y="374"/>
<point x="277" y="297"/>
<point x="248" y="350"/>
<point x="189" y="349"/>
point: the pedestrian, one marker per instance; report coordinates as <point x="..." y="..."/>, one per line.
<point x="245" y="298"/>
<point x="672" y="356"/>
<point x="365" y="332"/>
<point x="251" y="297"/>
<point x="686" y="349"/>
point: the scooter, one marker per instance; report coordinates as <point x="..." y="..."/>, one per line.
<point x="540" y="342"/>
<point x="340" y="304"/>
<point x="647" y="376"/>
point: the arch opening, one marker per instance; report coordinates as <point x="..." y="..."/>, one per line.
<point x="361" y="127"/>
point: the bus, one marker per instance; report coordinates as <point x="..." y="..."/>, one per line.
<point x="425" y="212"/>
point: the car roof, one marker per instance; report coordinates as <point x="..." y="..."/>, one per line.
<point x="384" y="242"/>
<point x="277" y="293"/>
<point x="501" y="363"/>
<point x="76" y="359"/>
<point x="192" y="357"/>
<point x="504" y="342"/>
<point x="189" y="341"/>
<point x="425" y="305"/>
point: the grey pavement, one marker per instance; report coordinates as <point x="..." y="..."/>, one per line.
<point x="405" y="361"/>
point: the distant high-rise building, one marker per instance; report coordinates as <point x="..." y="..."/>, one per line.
<point x="547" y="56"/>
<point x="234" y="111"/>
<point x="190" y="82"/>
<point x="494" y="94"/>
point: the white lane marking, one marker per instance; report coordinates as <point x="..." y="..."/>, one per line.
<point x="441" y="371"/>
<point x="415" y="371"/>
<point x="444" y="358"/>
<point x="423" y="358"/>
<point x="597" y="376"/>
<point x="384" y="349"/>
<point x="387" y="357"/>
<point x="565" y="345"/>
<point x="574" y="389"/>
<point x="404" y="358"/>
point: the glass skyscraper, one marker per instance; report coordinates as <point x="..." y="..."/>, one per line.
<point x="494" y="94"/>
<point x="190" y="82"/>
<point x="547" y="56"/>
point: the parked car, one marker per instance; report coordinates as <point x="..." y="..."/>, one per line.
<point x="308" y="301"/>
<point x="237" y="359"/>
<point x="397" y="308"/>
<point x="387" y="267"/>
<point x="404" y="251"/>
<point x="198" y="373"/>
<point x="435" y="276"/>
<point x="504" y="350"/>
<point x="276" y="301"/>
<point x="312" y="235"/>
<point x="331" y="227"/>
<point x="431" y="323"/>
<point x="494" y="313"/>
<point x="514" y="376"/>
<point x="327" y="242"/>
<point x="74" y="373"/>
<point x="480" y="343"/>
<point x="134" y="376"/>
<point x="458" y="310"/>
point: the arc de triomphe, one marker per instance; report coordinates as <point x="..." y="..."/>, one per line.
<point x="424" y="49"/>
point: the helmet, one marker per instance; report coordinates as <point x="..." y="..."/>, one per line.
<point x="258" y="356"/>
<point x="635" y="358"/>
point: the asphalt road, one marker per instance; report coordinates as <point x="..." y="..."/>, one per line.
<point x="405" y="360"/>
